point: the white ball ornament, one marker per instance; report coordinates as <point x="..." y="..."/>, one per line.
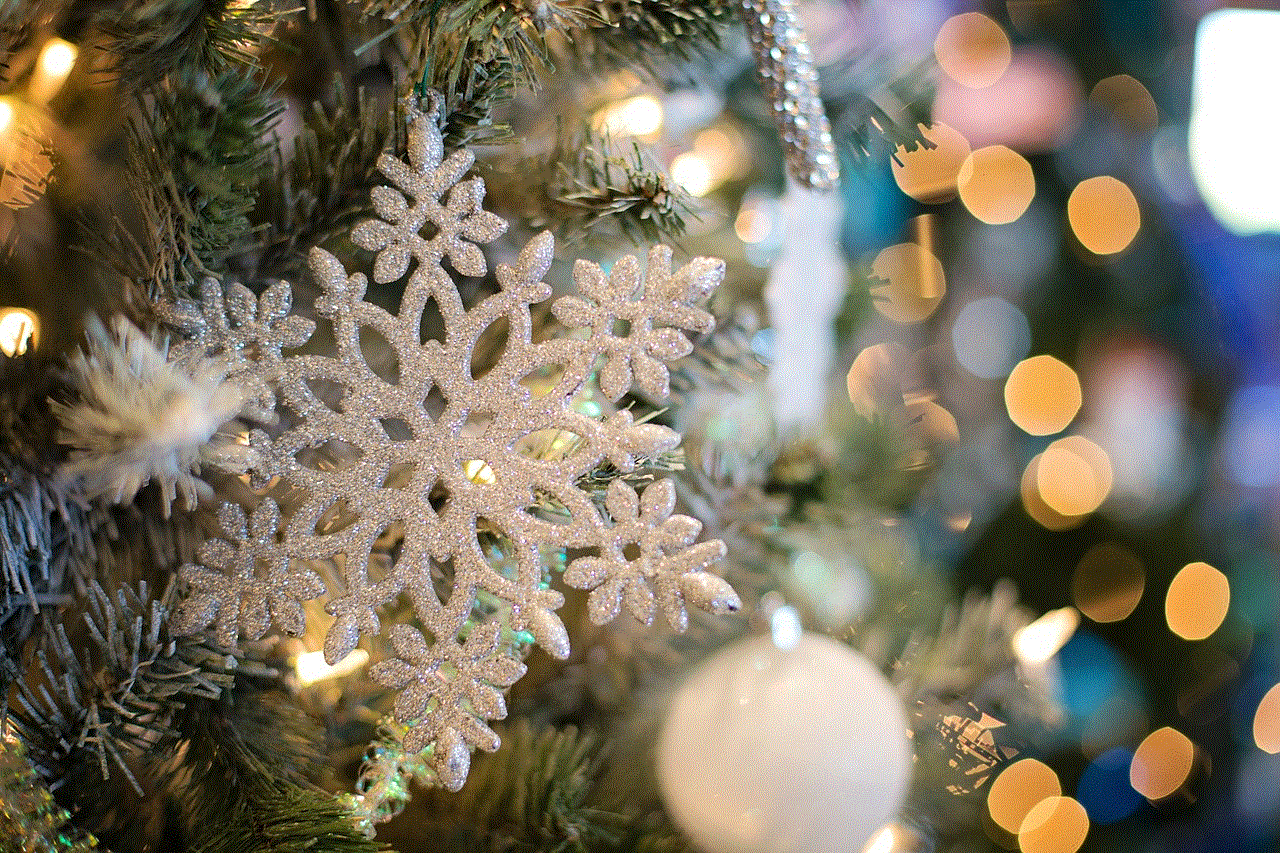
<point x="791" y="746"/>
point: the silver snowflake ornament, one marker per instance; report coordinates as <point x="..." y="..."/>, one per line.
<point x="477" y="478"/>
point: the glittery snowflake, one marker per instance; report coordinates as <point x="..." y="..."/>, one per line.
<point x="454" y="466"/>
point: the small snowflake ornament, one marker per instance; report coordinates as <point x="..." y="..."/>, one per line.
<point x="450" y="478"/>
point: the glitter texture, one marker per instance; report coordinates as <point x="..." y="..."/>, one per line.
<point x="456" y="467"/>
<point x="785" y="65"/>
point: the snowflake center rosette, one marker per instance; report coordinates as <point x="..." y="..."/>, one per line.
<point x="446" y="463"/>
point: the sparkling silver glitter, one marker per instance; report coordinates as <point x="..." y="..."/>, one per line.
<point x="786" y="69"/>
<point x="445" y="477"/>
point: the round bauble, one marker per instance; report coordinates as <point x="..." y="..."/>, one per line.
<point x="784" y="750"/>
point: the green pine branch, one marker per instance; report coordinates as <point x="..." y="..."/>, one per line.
<point x="196" y="155"/>
<point x="151" y="40"/>
<point x="538" y="792"/>
<point x="241" y="775"/>
<point x="476" y="53"/>
<point x="589" y="187"/>
<point x="317" y="194"/>
<point x="648" y="35"/>
<point x="88" y="708"/>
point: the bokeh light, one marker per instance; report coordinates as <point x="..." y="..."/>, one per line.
<point x="1074" y="476"/>
<point x="1042" y="639"/>
<point x="990" y="336"/>
<point x="752" y="225"/>
<point x="1251" y="436"/>
<point x="19" y="331"/>
<point x="930" y="174"/>
<point x="641" y="115"/>
<point x="57" y="57"/>
<point x="875" y="379"/>
<point x="1054" y="825"/>
<point x="914" y="282"/>
<point x="1042" y="395"/>
<point x="1266" y="722"/>
<point x="972" y="49"/>
<point x="692" y="172"/>
<point x="719" y="154"/>
<point x="1108" y="583"/>
<point x="1162" y="764"/>
<point x="1197" y="602"/>
<point x="1104" y="215"/>
<point x="891" y="839"/>
<point x="6" y="114"/>
<point x="996" y="184"/>
<point x="1239" y="180"/>
<point x="1128" y="102"/>
<point x="1018" y="789"/>
<point x="1034" y="504"/>
<point x="1035" y="106"/>
<point x="310" y="667"/>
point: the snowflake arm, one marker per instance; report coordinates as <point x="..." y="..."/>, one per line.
<point x="232" y="593"/>
<point x="448" y="692"/>
<point x="668" y="566"/>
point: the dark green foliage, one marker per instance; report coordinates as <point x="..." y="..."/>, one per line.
<point x="592" y="189"/>
<point x="277" y="817"/>
<point x="319" y="192"/>
<point x="30" y="821"/>
<point x="91" y="706"/>
<point x="538" y="792"/>
<point x="47" y="543"/>
<point x="668" y="29"/>
<point x="214" y="755"/>
<point x="241" y="776"/>
<point x="475" y="52"/>
<point x="195" y="157"/>
<point x="153" y="39"/>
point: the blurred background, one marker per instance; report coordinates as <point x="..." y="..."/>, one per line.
<point x="1028" y="351"/>
<point x="1071" y="292"/>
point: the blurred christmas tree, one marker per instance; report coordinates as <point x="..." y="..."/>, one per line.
<point x="323" y="469"/>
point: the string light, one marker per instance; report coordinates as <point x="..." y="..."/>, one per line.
<point x="1045" y="637"/>
<point x="57" y="58"/>
<point x="692" y="172"/>
<point x="914" y="282"/>
<point x="310" y="667"/>
<point x="1074" y="476"/>
<point x="1228" y="138"/>
<point x="638" y="116"/>
<point x="973" y="50"/>
<point x="19" y="330"/>
<point x="1054" y="825"/>
<point x="1128" y="101"/>
<point x="929" y="174"/>
<point x="479" y="472"/>
<point x="1018" y="789"/>
<point x="1042" y="395"/>
<point x="1108" y="583"/>
<point x="1266" y="722"/>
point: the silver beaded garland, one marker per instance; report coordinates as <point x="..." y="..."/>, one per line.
<point x="785" y="65"/>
